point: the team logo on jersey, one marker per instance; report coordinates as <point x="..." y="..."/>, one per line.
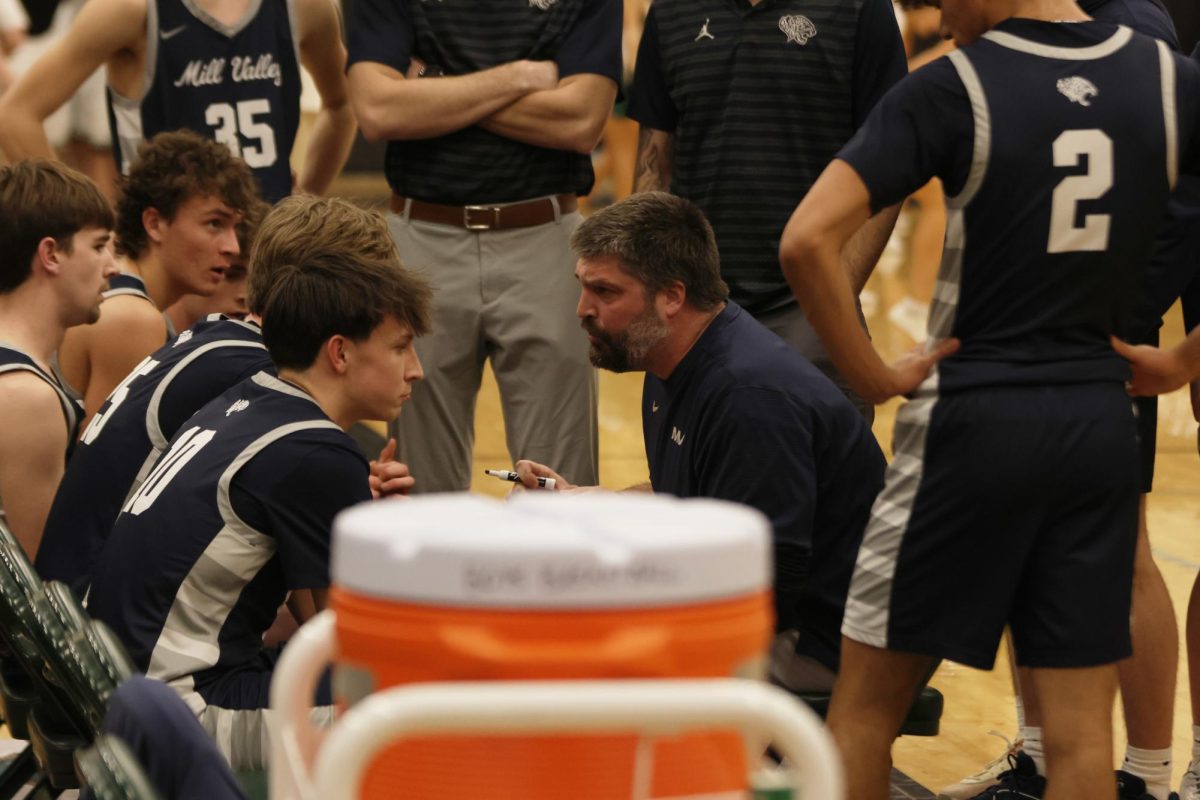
<point x="653" y="406"/>
<point x="240" y="405"/>
<point x="797" y="28"/>
<point x="181" y="338"/>
<point x="1077" y="90"/>
<point x="704" y="34"/>
<point x="677" y="436"/>
<point x="542" y="5"/>
<point x="242" y="69"/>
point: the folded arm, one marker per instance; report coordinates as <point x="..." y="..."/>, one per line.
<point x="390" y="106"/>
<point x="570" y="116"/>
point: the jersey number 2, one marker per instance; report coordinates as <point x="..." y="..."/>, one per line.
<point x="1092" y="236"/>
<point x="230" y="120"/>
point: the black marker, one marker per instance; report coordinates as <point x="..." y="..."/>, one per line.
<point x="506" y="475"/>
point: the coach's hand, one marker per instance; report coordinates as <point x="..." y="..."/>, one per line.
<point x="911" y="369"/>
<point x="389" y="477"/>
<point x="528" y="473"/>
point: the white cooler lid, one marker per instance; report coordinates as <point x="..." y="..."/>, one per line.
<point x="552" y="551"/>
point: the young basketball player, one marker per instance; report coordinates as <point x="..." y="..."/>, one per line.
<point x="1058" y="140"/>
<point x="236" y="514"/>
<point x="55" y="261"/>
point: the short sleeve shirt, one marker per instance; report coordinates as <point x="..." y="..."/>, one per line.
<point x="472" y="165"/>
<point x="758" y="99"/>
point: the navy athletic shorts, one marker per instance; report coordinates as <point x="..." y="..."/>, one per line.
<point x="1004" y="506"/>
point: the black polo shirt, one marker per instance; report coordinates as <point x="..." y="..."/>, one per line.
<point x="744" y="417"/>
<point x="759" y="99"/>
<point x="460" y="36"/>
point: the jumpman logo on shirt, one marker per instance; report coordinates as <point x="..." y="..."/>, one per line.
<point x="704" y="34"/>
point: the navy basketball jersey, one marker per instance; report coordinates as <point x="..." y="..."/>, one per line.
<point x="1058" y="145"/>
<point x="13" y="359"/>
<point x="130" y="431"/>
<point x="235" y="514"/>
<point x="239" y="85"/>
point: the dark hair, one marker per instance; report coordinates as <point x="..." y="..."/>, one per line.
<point x="329" y="294"/>
<point x="304" y="227"/>
<point x="41" y="198"/>
<point x="172" y="168"/>
<point x="908" y="5"/>
<point x="659" y="239"/>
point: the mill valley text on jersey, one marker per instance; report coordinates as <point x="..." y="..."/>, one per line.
<point x="239" y="84"/>
<point x="241" y="69"/>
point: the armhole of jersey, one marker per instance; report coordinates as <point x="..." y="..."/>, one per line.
<point x="127" y="103"/>
<point x="232" y="520"/>
<point x="1170" y="122"/>
<point x="294" y="26"/>
<point x="153" y="424"/>
<point x="127" y="111"/>
<point x="70" y="411"/>
<point x="944" y="307"/>
<point x="983" y="129"/>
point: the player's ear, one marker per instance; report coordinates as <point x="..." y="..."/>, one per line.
<point x="154" y="223"/>
<point x="335" y="350"/>
<point x="47" y="256"/>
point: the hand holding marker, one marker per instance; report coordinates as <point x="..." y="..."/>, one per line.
<point x="507" y="475"/>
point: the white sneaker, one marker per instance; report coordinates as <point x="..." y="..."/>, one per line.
<point x="972" y="785"/>
<point x="910" y="316"/>
<point x="1189" y="787"/>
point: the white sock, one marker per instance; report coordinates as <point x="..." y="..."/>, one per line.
<point x="1020" y="704"/>
<point x="1032" y="735"/>
<point x="1152" y="766"/>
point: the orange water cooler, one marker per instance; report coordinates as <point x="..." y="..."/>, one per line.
<point x="456" y="588"/>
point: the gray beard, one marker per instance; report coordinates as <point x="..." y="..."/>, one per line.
<point x="628" y="352"/>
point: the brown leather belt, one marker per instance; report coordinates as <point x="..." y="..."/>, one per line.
<point x="487" y="218"/>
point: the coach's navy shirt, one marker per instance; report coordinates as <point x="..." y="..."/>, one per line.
<point x="1055" y="186"/>
<point x="131" y="430"/>
<point x="744" y="417"/>
<point x="460" y="37"/>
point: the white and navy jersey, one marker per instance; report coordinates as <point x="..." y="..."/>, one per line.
<point x="130" y="431"/>
<point x="1058" y="145"/>
<point x="13" y="359"/>
<point x="239" y="85"/>
<point x="235" y="514"/>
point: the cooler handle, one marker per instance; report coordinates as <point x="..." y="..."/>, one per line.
<point x="651" y="708"/>
<point x="632" y="651"/>
<point x="295" y="739"/>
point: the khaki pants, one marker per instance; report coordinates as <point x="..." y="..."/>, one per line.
<point x="510" y="296"/>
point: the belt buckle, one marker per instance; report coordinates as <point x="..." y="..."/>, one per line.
<point x="481" y="226"/>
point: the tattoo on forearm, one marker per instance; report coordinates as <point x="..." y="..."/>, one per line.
<point x="653" y="162"/>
